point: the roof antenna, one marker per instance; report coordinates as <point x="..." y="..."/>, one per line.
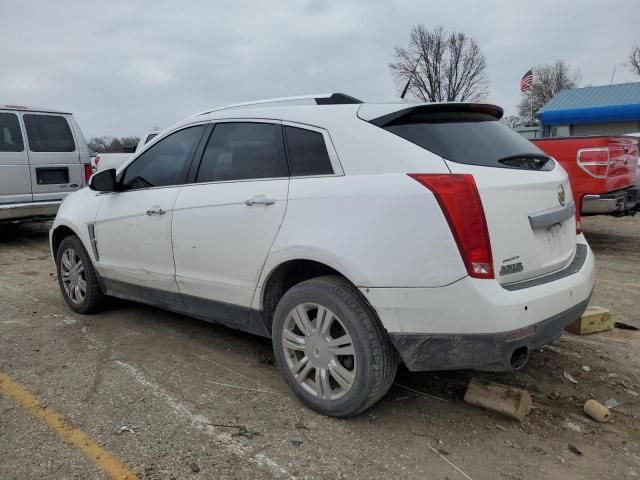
<point x="406" y="87"/>
<point x="612" y="75"/>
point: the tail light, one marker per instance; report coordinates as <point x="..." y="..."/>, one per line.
<point x="460" y="202"/>
<point x="96" y="161"/>
<point x="594" y="161"/>
<point x="87" y="172"/>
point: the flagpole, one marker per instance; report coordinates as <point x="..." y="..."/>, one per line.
<point x="531" y="97"/>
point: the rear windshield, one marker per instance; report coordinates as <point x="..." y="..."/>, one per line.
<point x="471" y="138"/>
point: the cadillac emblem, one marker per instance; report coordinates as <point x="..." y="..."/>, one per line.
<point x="562" y="195"/>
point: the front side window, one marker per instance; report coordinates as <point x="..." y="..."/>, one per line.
<point x="165" y="163"/>
<point x="150" y="137"/>
<point x="243" y="150"/>
<point x="10" y="136"/>
<point x="48" y="133"/>
<point x="307" y="152"/>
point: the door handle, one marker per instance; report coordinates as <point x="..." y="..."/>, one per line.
<point x="156" y="211"/>
<point x="259" y="200"/>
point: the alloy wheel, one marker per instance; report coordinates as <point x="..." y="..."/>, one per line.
<point x="319" y="351"/>
<point x="73" y="277"/>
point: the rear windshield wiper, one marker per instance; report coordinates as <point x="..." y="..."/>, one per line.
<point x="528" y="161"/>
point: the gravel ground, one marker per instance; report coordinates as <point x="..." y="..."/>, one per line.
<point x="206" y="398"/>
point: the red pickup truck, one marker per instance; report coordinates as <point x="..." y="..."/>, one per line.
<point x="602" y="172"/>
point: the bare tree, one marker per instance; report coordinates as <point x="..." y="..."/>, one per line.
<point x="634" y="60"/>
<point x="547" y="81"/>
<point x="108" y="144"/>
<point x="440" y="66"/>
<point x="99" y="144"/>
<point x="512" y="121"/>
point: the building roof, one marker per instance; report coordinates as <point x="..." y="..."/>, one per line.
<point x="608" y="103"/>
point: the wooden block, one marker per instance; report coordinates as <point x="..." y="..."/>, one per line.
<point x="594" y="319"/>
<point x="597" y="411"/>
<point x="511" y="402"/>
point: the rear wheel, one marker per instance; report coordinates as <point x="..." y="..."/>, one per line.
<point x="330" y="347"/>
<point x="77" y="278"/>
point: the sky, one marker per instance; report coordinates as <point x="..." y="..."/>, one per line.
<point x="123" y="67"/>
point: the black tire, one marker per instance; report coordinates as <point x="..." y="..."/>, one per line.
<point x="94" y="298"/>
<point x="376" y="357"/>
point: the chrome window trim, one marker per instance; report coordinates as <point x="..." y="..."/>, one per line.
<point x="262" y="179"/>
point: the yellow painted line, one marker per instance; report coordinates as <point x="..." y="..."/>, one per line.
<point x="94" y="452"/>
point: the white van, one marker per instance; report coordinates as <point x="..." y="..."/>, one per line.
<point x="43" y="157"/>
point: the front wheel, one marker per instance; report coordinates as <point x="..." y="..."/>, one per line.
<point x="331" y="349"/>
<point x="77" y="278"/>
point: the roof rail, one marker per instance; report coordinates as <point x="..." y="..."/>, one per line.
<point x="318" y="99"/>
<point x="31" y="109"/>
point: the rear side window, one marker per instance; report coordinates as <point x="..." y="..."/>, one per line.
<point x="48" y="133"/>
<point x="165" y="163"/>
<point x="307" y="152"/>
<point x="471" y="138"/>
<point x="242" y="151"/>
<point x="10" y="136"/>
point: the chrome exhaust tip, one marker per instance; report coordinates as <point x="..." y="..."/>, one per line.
<point x="519" y="357"/>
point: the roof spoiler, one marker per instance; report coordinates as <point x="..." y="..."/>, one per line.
<point x="486" y="108"/>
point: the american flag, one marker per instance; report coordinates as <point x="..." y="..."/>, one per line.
<point x="527" y="80"/>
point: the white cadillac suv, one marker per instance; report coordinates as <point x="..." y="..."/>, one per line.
<point x="354" y="235"/>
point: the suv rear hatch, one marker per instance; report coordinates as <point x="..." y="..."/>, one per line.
<point x="525" y="194"/>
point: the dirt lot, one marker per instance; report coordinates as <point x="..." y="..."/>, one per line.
<point x="202" y="397"/>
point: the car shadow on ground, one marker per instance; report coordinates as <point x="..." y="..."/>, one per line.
<point x="607" y="242"/>
<point x="221" y="341"/>
<point x="16" y="234"/>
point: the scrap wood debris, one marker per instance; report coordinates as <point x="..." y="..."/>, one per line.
<point x="509" y="401"/>
<point x="127" y="428"/>
<point x="567" y="376"/>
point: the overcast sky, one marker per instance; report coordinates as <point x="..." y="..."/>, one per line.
<point x="123" y="67"/>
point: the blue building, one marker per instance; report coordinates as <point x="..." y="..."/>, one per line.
<point x="606" y="110"/>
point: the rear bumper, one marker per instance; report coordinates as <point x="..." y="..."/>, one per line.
<point x="488" y="352"/>
<point x="617" y="202"/>
<point x="14" y="212"/>
<point x="476" y="323"/>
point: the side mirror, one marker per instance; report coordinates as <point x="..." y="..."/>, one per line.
<point x="104" y="181"/>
